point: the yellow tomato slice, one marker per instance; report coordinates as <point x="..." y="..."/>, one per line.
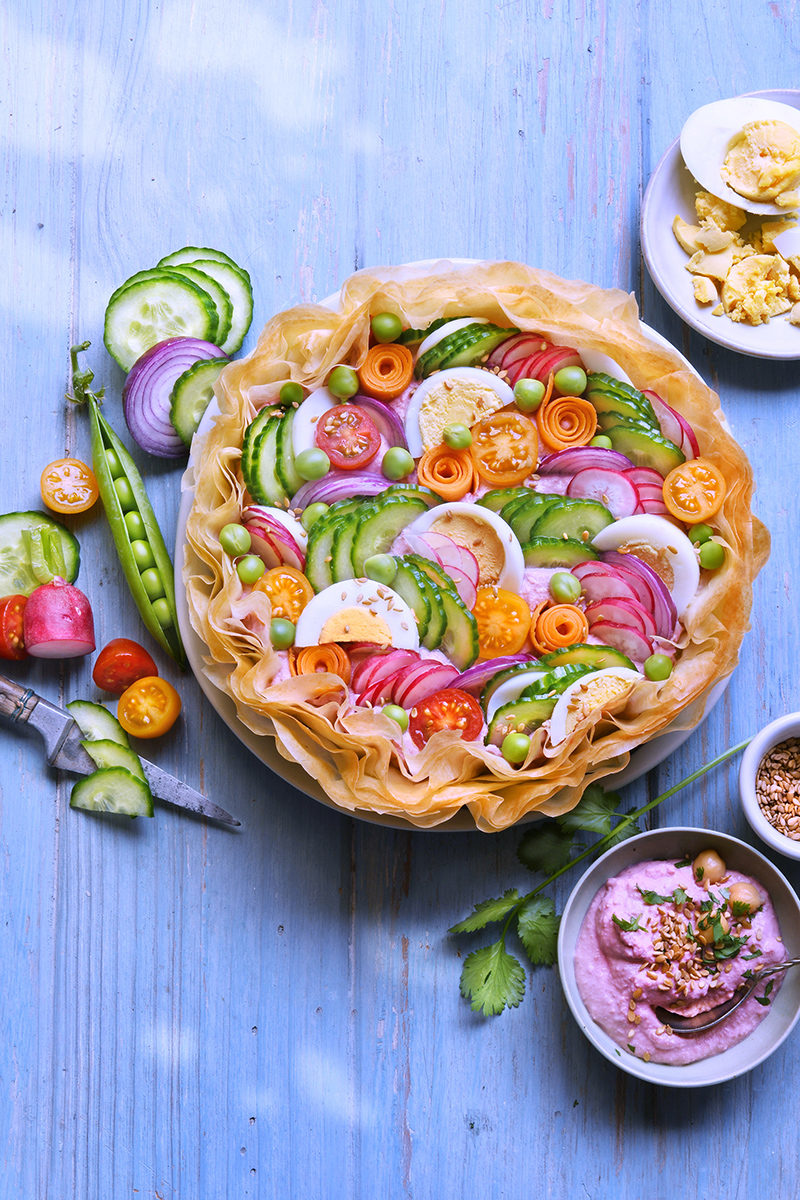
<point x="694" y="491"/>
<point x="68" y="486"/>
<point x="503" y="621"/>
<point x="505" y="448"/>
<point x="288" y="589"/>
<point x="149" y="707"/>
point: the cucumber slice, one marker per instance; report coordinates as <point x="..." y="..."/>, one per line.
<point x="557" y="680"/>
<point x="462" y="348"/>
<point x="344" y="536"/>
<point x="413" y="337"/>
<point x="192" y="393"/>
<point x="437" y="626"/>
<point x="319" y="550"/>
<point x="645" y="448"/>
<point x="151" y="310"/>
<point x="500" y="497"/>
<point x="599" y="384"/>
<point x="378" y="527"/>
<point x="528" y="512"/>
<point x="557" y="552"/>
<point x="233" y="278"/>
<point x="597" y="657"/>
<point x="285" y="469"/>
<point x="578" y="519"/>
<point x="105" y="753"/>
<point x="415" y="491"/>
<point x="460" y="639"/>
<point x="16" y="569"/>
<point x="262" y="480"/>
<point x="623" y="414"/>
<point x="96" y="723"/>
<point x="114" y="790"/>
<point x="251" y="433"/>
<point x="409" y="582"/>
<point x="222" y="301"/>
<point x="607" y="404"/>
<point x="520" y="716"/>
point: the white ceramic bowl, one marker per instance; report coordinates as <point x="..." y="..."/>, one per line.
<point x="762" y="743"/>
<point x="674" y="844"/>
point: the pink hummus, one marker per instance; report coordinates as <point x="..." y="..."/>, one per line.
<point x="624" y="974"/>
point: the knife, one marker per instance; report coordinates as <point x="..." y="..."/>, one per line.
<point x="62" y="739"/>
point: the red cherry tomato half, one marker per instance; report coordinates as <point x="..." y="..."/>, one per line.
<point x="348" y="436"/>
<point x="12" y="644"/>
<point x="449" y="709"/>
<point x="121" y="663"/>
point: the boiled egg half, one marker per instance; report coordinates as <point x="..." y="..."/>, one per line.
<point x="662" y="546"/>
<point x="460" y="396"/>
<point x="485" y="534"/>
<point x="712" y="131"/>
<point x="357" y="610"/>
<point x="604" y="691"/>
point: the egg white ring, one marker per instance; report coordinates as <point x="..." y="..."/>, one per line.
<point x="558" y="717"/>
<point x="511" y="689"/>
<point x="358" y="593"/>
<point x="471" y="374"/>
<point x="512" y="572"/>
<point x="660" y="534"/>
<point x="706" y="137"/>
<point x="307" y="417"/>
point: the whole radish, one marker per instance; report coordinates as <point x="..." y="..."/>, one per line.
<point x="57" y="622"/>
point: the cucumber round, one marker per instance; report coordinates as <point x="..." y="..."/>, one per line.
<point x="233" y="278"/>
<point x="16" y="570"/>
<point x="162" y="306"/>
<point x="96" y="723"/>
<point x="222" y="301"/>
<point x="557" y="552"/>
<point x="597" y="657"/>
<point x="192" y="393"/>
<point x="113" y="790"/>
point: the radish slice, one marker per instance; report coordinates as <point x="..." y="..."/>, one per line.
<point x="611" y="488"/>
<point x="373" y="670"/>
<point x="274" y="544"/>
<point x="624" y="638"/>
<point x="622" y="612"/>
<point x="580" y="458"/>
<point x="520" y="346"/>
<point x="664" y="612"/>
<point x="674" y="426"/>
<point x="423" y="681"/>
<point x="57" y="621"/>
<point x="645" y="475"/>
<point x="597" y="588"/>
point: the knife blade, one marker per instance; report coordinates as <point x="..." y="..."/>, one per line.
<point x="62" y="739"/>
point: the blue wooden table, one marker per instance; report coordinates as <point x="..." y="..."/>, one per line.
<point x="194" y="1013"/>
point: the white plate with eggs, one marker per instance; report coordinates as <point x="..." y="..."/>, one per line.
<point x="671" y="192"/>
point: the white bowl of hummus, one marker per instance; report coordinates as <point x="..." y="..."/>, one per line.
<point x="625" y="915"/>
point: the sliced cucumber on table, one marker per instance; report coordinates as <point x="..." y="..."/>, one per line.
<point x="105" y="753"/>
<point x="221" y="299"/>
<point x="153" y="309"/>
<point x="113" y="790"/>
<point x="17" y="577"/>
<point x="96" y="723"/>
<point x="191" y="395"/>
<point x="233" y="278"/>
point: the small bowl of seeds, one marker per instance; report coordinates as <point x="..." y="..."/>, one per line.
<point x="769" y="785"/>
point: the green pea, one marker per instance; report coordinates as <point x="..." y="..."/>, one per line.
<point x="386" y="327"/>
<point x="382" y="568"/>
<point x="250" y="568"/>
<point x="281" y="633"/>
<point x="699" y="534"/>
<point x="125" y="494"/>
<point x="528" y="394"/>
<point x="142" y="554"/>
<point x="457" y="437"/>
<point x="343" y="382"/>
<point x="114" y="465"/>
<point x="291" y="393"/>
<point x="152" y="583"/>
<point x="163" y="613"/>
<point x="515" y="747"/>
<point x="134" y="523"/>
<point x="235" y="540"/>
<point x="395" y="713"/>
<point x="397" y="463"/>
<point x="564" y="587"/>
<point x="570" y="381"/>
<point x="658" y="667"/>
<point x="312" y="514"/>
<point x="312" y="464"/>
<point x="712" y="556"/>
<point x="602" y="442"/>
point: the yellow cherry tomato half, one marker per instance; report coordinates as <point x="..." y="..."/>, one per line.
<point x="694" y="491"/>
<point x="288" y="589"/>
<point x="149" y="707"/>
<point x="505" y="448"/>
<point x="68" y="486"/>
<point x="503" y="621"/>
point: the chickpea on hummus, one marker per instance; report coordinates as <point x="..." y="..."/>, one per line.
<point x="680" y="936"/>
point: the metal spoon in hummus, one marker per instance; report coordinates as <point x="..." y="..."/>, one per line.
<point x="713" y="1016"/>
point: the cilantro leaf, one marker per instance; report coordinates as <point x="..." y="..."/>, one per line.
<point x="679" y="896"/>
<point x="741" y="908"/>
<point x="755" y="953"/>
<point x="765" y="998"/>
<point x="546" y="849"/>
<point x="486" y="912"/>
<point x="685" y="862"/>
<point x="627" y="926"/>
<point x="652" y="897"/>
<point x="537" y="926"/>
<point x="491" y="979"/>
<point x="593" y="812"/>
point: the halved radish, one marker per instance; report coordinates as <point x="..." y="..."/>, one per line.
<point x="274" y="544"/>
<point x="624" y="638"/>
<point x="57" y="621"/>
<point x="611" y="488"/>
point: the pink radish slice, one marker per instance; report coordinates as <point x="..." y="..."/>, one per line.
<point x="372" y="671"/>
<point x="592" y="567"/>
<point x="597" y="588"/>
<point x="657" y="507"/>
<point x="469" y="565"/>
<point x="277" y="542"/>
<point x="580" y="458"/>
<point x="379" y="693"/>
<point x="464" y="586"/>
<point x="552" y="360"/>
<point x="57" y="621"/>
<point x="645" y="475"/>
<point x="623" y="638"/>
<point x="418" y="684"/>
<point x="674" y="426"/>
<point x="622" y="612"/>
<point x="264" y="545"/>
<point x="641" y="589"/>
<point x="648" y="492"/>
<point x="611" y="488"/>
<point x="521" y="345"/>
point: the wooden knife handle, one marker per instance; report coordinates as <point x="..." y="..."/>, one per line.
<point x="16" y="702"/>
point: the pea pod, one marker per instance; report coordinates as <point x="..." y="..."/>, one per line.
<point x="128" y="508"/>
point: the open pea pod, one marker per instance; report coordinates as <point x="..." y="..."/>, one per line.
<point x="140" y="546"/>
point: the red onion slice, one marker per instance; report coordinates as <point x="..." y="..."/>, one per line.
<point x="339" y="485"/>
<point x="611" y="488"/>
<point x="147" y="394"/>
<point x="385" y="418"/>
<point x="582" y="458"/>
<point x="664" y="611"/>
<point x="475" y="678"/>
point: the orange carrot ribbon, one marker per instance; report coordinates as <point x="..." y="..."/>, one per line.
<point x="312" y="660"/>
<point x="566" y="421"/>
<point x="557" y="627"/>
<point x="449" y="473"/>
<point x="386" y="371"/>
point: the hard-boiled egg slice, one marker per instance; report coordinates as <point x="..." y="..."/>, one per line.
<point x="357" y="610"/>
<point x="307" y="417"/>
<point x="485" y="534"/>
<point x="460" y="396"/>
<point x="605" y="690"/>
<point x="707" y="136"/>
<point x="511" y="689"/>
<point x="662" y="546"/>
<point x="445" y="330"/>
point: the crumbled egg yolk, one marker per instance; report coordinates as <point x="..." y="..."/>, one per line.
<point x="759" y="288"/>
<point x="763" y="162"/>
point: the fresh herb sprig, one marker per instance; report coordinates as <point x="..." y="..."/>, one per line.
<point x="492" y="978"/>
